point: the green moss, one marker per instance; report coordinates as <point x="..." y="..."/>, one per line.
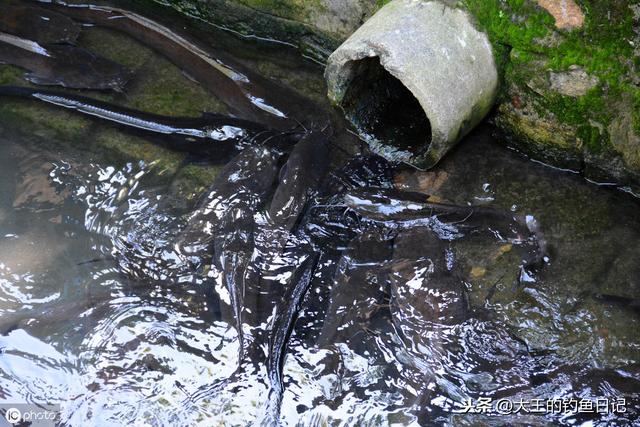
<point x="116" y="147"/>
<point x="601" y="47"/>
<point x="192" y="180"/>
<point x="200" y="176"/>
<point x="10" y="75"/>
<point x="590" y="137"/>
<point x="115" y="46"/>
<point x="167" y="91"/>
<point x="43" y="120"/>
<point x="576" y="111"/>
<point x="636" y="111"/>
<point x="515" y="23"/>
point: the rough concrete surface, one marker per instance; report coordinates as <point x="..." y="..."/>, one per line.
<point x="438" y="54"/>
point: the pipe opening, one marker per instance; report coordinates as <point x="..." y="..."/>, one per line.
<point x="383" y="109"/>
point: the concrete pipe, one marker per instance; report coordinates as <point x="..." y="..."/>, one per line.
<point x="414" y="79"/>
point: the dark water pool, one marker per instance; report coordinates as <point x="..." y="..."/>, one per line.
<point x="118" y="260"/>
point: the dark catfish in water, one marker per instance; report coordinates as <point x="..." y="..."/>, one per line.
<point x="282" y="328"/>
<point x="299" y="181"/>
<point x="246" y="177"/>
<point x="355" y="290"/>
<point x="299" y="184"/>
<point x="427" y="298"/>
<point x="62" y="65"/>
<point x="346" y="270"/>
<point x="246" y="93"/>
<point x="300" y="177"/>
<point x="260" y="295"/>
<point x="234" y="230"/>
<point x="199" y="135"/>
<point x="225" y="217"/>
<point x="403" y="209"/>
<point x="40" y="25"/>
<point x="305" y="263"/>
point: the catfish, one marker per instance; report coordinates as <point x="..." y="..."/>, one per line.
<point x="198" y="135"/>
<point x="404" y="210"/>
<point x="299" y="181"/>
<point x="246" y="93"/>
<point x="62" y="65"/>
<point x="40" y="25"/>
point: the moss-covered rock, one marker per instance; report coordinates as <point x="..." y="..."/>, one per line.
<point x="566" y="89"/>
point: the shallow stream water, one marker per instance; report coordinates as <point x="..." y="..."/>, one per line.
<point x="396" y="322"/>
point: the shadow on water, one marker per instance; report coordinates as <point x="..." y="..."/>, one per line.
<point x="304" y="284"/>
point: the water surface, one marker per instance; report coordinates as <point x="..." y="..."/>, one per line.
<point x="101" y="313"/>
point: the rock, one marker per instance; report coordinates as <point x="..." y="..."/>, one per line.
<point x="317" y="27"/>
<point x="544" y="138"/>
<point x="567" y="13"/>
<point x="575" y="82"/>
<point x="337" y="18"/>
<point x="625" y="140"/>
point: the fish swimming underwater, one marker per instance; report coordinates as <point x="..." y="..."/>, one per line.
<point x="220" y="238"/>
<point x="231" y="217"/>
<point x="246" y="93"/>
<point x="194" y="135"/>
<point x="62" y="65"/>
<point x="405" y="210"/>
<point x="299" y="179"/>
<point x="40" y="25"/>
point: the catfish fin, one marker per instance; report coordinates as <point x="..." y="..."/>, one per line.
<point x="189" y="77"/>
<point x="41" y="80"/>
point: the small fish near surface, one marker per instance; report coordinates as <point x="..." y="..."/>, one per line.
<point x="62" y="65"/>
<point x="40" y="25"/>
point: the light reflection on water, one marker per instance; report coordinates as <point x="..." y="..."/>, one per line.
<point x="100" y="313"/>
